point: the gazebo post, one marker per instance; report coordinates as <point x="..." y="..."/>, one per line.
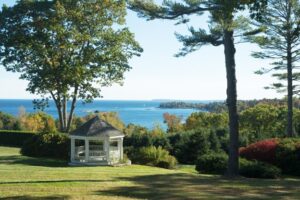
<point x="107" y="149"/>
<point x="72" y="149"/>
<point x="86" y="150"/>
<point x="120" y="147"/>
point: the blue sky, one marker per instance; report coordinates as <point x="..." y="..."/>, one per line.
<point x="157" y="74"/>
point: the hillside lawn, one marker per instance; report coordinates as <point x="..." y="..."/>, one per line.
<point x="31" y="178"/>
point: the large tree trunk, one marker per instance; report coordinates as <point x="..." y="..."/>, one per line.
<point x="233" y="162"/>
<point x="72" y="109"/>
<point x="64" y="111"/>
<point x="58" y="105"/>
<point x="290" y="129"/>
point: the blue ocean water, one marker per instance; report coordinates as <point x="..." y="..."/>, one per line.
<point x="144" y="113"/>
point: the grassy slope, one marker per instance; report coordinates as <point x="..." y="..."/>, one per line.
<point x="29" y="178"/>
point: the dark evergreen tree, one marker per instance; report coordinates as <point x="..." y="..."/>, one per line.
<point x="224" y="27"/>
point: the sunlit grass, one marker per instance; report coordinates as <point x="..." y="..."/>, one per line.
<point x="31" y="178"/>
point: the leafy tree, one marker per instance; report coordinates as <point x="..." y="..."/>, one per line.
<point x="224" y="27"/>
<point x="37" y="122"/>
<point x="173" y="122"/>
<point x="206" y="120"/>
<point x="66" y="49"/>
<point x="262" y="121"/>
<point x="281" y="42"/>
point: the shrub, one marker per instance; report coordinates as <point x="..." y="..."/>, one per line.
<point x="51" y="145"/>
<point x="188" y="146"/>
<point x="152" y="156"/>
<point x="284" y="153"/>
<point x="14" y="138"/>
<point x="146" y="139"/>
<point x="214" y="141"/>
<point x="212" y="163"/>
<point x="216" y="163"/>
<point x="288" y="156"/>
<point x="264" y="151"/>
<point x="8" y="122"/>
<point x="257" y="169"/>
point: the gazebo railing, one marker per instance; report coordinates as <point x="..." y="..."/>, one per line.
<point x="97" y="154"/>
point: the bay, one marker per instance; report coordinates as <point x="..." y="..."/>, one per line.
<point x="144" y="113"/>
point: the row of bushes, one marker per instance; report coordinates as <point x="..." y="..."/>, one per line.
<point x="51" y="145"/>
<point x="283" y="153"/>
<point x="217" y="164"/>
<point x="14" y="138"/>
<point x="186" y="146"/>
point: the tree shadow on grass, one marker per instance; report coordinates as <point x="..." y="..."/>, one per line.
<point x="188" y="186"/>
<point x="45" y="162"/>
<point x="35" y="198"/>
<point x="57" y="181"/>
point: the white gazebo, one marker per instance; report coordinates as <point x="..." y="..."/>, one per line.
<point x="96" y="143"/>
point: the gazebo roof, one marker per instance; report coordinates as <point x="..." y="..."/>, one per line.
<point x="97" y="127"/>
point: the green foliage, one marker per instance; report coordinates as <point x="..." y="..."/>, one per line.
<point x="173" y="122"/>
<point x="111" y="117"/>
<point x="262" y="121"/>
<point x="67" y="49"/>
<point x="14" y="138"/>
<point x="214" y="141"/>
<point x="212" y="163"/>
<point x="137" y="136"/>
<point x="206" y="120"/>
<point x="153" y="156"/>
<point x="8" y="122"/>
<point x="288" y="156"/>
<point x="257" y="169"/>
<point x="37" y="122"/>
<point x="188" y="146"/>
<point x="280" y="43"/>
<point x="50" y="145"/>
<point x="266" y="121"/>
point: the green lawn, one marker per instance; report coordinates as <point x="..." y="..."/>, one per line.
<point x="29" y="178"/>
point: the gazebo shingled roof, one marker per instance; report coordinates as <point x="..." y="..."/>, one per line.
<point x="96" y="127"/>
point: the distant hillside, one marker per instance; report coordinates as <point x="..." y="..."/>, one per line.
<point x="221" y="106"/>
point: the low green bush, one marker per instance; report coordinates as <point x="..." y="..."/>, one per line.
<point x="212" y="163"/>
<point x="257" y="169"/>
<point x="153" y="156"/>
<point x="14" y="138"/>
<point x="216" y="163"/>
<point x="50" y="145"/>
<point x="288" y="156"/>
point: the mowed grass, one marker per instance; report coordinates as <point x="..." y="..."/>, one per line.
<point x="31" y="178"/>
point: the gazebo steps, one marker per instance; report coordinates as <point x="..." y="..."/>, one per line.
<point x="91" y="164"/>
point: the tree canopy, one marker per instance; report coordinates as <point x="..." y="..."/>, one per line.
<point x="280" y="42"/>
<point x="67" y="49"/>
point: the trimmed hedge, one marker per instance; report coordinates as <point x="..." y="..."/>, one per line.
<point x="216" y="163"/>
<point x="50" y="145"/>
<point x="212" y="163"/>
<point x="257" y="169"/>
<point x="14" y="138"/>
